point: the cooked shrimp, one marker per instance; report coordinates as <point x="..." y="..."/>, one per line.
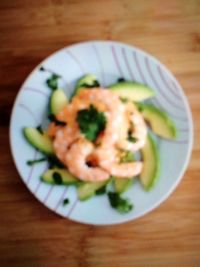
<point x="66" y="114"/>
<point x="138" y="129"/>
<point x="104" y="101"/>
<point x="52" y="129"/>
<point x="74" y="150"/>
<point x="76" y="161"/>
<point x="107" y="102"/>
<point x="64" y="137"/>
<point x="108" y="160"/>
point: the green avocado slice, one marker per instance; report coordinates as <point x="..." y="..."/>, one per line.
<point x="58" y="101"/>
<point x="122" y="184"/>
<point x="87" y="190"/>
<point x="132" y="90"/>
<point x="87" y="81"/>
<point x="59" y="177"/>
<point x="39" y="140"/>
<point x="151" y="167"/>
<point x="159" y="121"/>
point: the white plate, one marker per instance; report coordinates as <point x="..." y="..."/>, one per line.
<point x="109" y="61"/>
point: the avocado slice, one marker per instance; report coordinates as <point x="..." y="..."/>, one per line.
<point x="132" y="90"/>
<point x="88" y="189"/>
<point x="40" y="141"/>
<point x="151" y="167"/>
<point x="59" y="176"/>
<point x="122" y="184"/>
<point x="87" y="81"/>
<point x="58" y="101"/>
<point x="160" y="122"/>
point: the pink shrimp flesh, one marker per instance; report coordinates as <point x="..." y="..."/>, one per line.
<point x="74" y="150"/>
<point x="108" y="160"/>
<point x="63" y="139"/>
<point x="76" y="161"/>
<point x="138" y="130"/>
<point x="107" y="102"/>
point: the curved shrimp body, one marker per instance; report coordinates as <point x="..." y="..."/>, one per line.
<point x="66" y="135"/>
<point x="67" y="114"/>
<point x="138" y="130"/>
<point x="104" y="101"/>
<point x="107" y="159"/>
<point x="63" y="139"/>
<point x="52" y="129"/>
<point x="124" y="170"/>
<point x="76" y="160"/>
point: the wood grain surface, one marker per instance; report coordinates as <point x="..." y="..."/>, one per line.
<point x="30" y="234"/>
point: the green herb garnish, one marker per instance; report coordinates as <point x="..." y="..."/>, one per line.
<point x="131" y="138"/>
<point x="65" y="201"/>
<point x="140" y="106"/>
<point x="52" y="82"/>
<point x="122" y="205"/>
<point x="91" y="122"/>
<point x="101" y="190"/>
<point x="94" y="84"/>
<point x="39" y="128"/>
<point x="42" y="68"/>
<point x="121" y="80"/>
<point x="123" y="100"/>
<point x="53" y="118"/>
<point x="127" y="156"/>
<point x="54" y="162"/>
<point x="32" y="162"/>
<point x="57" y="178"/>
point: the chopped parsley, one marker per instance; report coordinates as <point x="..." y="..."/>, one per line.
<point x="94" y="84"/>
<point x="123" y="100"/>
<point x="65" y="201"/>
<point x="140" y="106"/>
<point x="101" y="190"/>
<point x="54" y="162"/>
<point x="121" y="80"/>
<point x="126" y="156"/>
<point x="91" y="122"/>
<point x="32" y="162"/>
<point x="53" y="118"/>
<point x="57" y="178"/>
<point x="131" y="138"/>
<point x="52" y="82"/>
<point x="122" y="205"/>
<point x="42" y="68"/>
<point x="39" y="128"/>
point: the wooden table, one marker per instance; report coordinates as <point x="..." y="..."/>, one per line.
<point x="30" y="234"/>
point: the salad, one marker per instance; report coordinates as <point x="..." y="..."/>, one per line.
<point x="101" y="139"/>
